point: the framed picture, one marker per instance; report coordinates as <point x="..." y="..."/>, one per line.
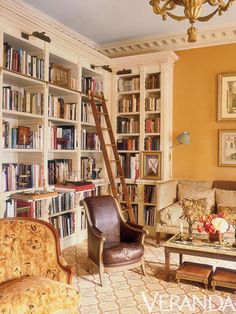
<point x="151" y="165"/>
<point x="226" y="96"/>
<point x="227" y="148"/>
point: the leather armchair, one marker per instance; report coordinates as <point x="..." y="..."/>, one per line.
<point x="113" y="244"/>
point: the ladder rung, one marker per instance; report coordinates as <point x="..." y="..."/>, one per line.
<point x="102" y="113"/>
<point x="105" y="129"/>
<point x="111" y="145"/>
<point x="119" y="177"/>
<point x="114" y="160"/>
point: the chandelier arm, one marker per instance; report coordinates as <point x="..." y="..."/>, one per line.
<point x="175" y="17"/>
<point x="207" y="17"/>
<point x="215" y="2"/>
<point x="169" y="5"/>
<point x="225" y="6"/>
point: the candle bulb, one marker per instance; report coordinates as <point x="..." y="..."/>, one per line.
<point x="181" y="228"/>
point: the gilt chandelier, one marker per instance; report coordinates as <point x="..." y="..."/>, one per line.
<point x="192" y="11"/>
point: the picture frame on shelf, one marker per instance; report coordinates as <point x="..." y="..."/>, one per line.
<point x="226" y="96"/>
<point x="151" y="165"/>
<point x="227" y="148"/>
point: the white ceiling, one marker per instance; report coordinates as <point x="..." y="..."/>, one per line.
<point x="106" y="21"/>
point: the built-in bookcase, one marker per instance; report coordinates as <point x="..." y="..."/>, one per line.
<point x="47" y="128"/>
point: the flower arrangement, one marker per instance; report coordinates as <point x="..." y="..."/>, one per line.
<point x="213" y="223"/>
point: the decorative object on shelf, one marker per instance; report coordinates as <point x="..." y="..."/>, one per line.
<point x="192" y="11"/>
<point x="226" y="96"/>
<point x="96" y="173"/>
<point x="227" y="148"/>
<point x="192" y="210"/>
<point x="151" y="165"/>
<point x="215" y="225"/>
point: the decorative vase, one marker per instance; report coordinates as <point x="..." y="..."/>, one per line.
<point x="190" y="232"/>
<point x="218" y="236"/>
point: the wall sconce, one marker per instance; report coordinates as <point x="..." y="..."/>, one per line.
<point x="182" y="138"/>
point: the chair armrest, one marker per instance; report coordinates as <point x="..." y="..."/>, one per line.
<point x="132" y="233"/>
<point x="166" y="193"/>
<point x="95" y="244"/>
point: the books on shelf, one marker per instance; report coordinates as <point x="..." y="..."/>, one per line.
<point x="63" y="202"/>
<point x="132" y="191"/>
<point x="130" y="165"/>
<point x="152" y="143"/>
<point x="152" y="81"/>
<point x="58" y="170"/>
<point x="75" y="188"/>
<point x="128" y="84"/>
<point x="22" y="137"/>
<point x="127" y="125"/>
<point x="58" y="108"/>
<point x="152" y="104"/>
<point x="89" y="140"/>
<point x="150" y="194"/>
<point x="18" y="99"/>
<point x="129" y="103"/>
<point x="62" y="137"/>
<point x="61" y="76"/>
<point x="153" y="125"/>
<point x="91" y="85"/>
<point x="128" y="144"/>
<point x="65" y="224"/>
<point x="21" y="176"/>
<point x="86" y="113"/>
<point x="33" y="196"/>
<point x="149" y="215"/>
<point x="88" y="164"/>
<point x="21" y="61"/>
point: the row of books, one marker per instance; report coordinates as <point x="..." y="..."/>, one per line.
<point x="58" y="108"/>
<point x="152" y="81"/>
<point x="130" y="165"/>
<point x="21" y="176"/>
<point x="127" y="125"/>
<point x="18" y="99"/>
<point x="152" y="104"/>
<point x="153" y="125"/>
<point x="22" y="137"/>
<point x="128" y="144"/>
<point x="135" y="211"/>
<point x="88" y="164"/>
<point x="132" y="191"/>
<point x="89" y="140"/>
<point x="129" y="103"/>
<point x="64" y="224"/>
<point x="58" y="170"/>
<point x="90" y="85"/>
<point x="64" y="201"/>
<point x="128" y="84"/>
<point x="22" y="61"/>
<point x="149" y="215"/>
<point x="86" y="113"/>
<point x="62" y="137"/>
<point x="152" y="143"/>
<point x="150" y="194"/>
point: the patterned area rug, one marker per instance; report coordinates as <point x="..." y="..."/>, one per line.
<point x="130" y="292"/>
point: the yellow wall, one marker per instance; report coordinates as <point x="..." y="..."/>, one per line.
<point x="195" y="108"/>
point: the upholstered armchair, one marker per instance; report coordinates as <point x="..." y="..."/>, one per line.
<point x="113" y="244"/>
<point x="34" y="277"/>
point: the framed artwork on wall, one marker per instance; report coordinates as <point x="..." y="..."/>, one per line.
<point x="227" y="148"/>
<point x="226" y="96"/>
<point x="151" y="165"/>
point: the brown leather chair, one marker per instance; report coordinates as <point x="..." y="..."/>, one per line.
<point x="113" y="244"/>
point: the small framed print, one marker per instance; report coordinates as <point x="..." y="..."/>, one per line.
<point x="227" y="148"/>
<point x="151" y="165"/>
<point x="226" y="96"/>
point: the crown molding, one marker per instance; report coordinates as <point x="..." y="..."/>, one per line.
<point x="27" y="18"/>
<point x="216" y="36"/>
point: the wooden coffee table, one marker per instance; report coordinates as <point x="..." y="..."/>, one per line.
<point x="199" y="247"/>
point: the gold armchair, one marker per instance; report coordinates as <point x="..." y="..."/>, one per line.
<point x="34" y="277"/>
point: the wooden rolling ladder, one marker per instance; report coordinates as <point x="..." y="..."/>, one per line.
<point x="108" y="127"/>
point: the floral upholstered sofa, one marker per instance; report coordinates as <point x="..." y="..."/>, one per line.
<point x="34" y="277"/>
<point x="171" y="193"/>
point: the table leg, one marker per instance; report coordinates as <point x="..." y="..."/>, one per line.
<point x="167" y="264"/>
<point x="180" y="258"/>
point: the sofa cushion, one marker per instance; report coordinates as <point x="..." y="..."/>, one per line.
<point x="225" y="197"/>
<point x="171" y="213"/>
<point x="194" y="192"/>
<point x="122" y="253"/>
<point x="38" y="295"/>
<point x="193" y="209"/>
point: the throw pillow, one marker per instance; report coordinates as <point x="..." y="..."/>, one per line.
<point x="194" y="193"/>
<point x="225" y="197"/>
<point x="230" y="211"/>
<point x="193" y="209"/>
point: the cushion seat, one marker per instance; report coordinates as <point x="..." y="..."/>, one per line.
<point x="122" y="253"/>
<point x="39" y="295"/>
<point x="222" y="274"/>
<point x="196" y="270"/>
